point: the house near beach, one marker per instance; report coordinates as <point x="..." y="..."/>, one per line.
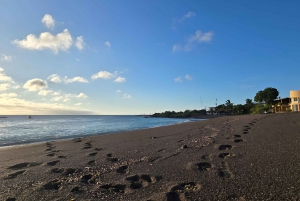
<point x="295" y="100"/>
<point x="291" y="103"/>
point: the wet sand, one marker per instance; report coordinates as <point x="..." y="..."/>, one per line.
<point x="249" y="157"/>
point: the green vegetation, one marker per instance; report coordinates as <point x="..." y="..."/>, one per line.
<point x="267" y="96"/>
<point x="185" y="114"/>
<point x="263" y="102"/>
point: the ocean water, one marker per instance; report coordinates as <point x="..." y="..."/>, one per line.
<point x="16" y="130"/>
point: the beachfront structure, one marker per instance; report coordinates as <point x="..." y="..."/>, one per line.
<point x="281" y="105"/>
<point x="295" y="100"/>
<point x="287" y="104"/>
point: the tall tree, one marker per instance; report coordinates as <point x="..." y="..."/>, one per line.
<point x="229" y="106"/>
<point x="268" y="95"/>
<point x="249" y="104"/>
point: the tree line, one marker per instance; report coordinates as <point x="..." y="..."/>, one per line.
<point x="185" y="114"/>
<point x="263" y="101"/>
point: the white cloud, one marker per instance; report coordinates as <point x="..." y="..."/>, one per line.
<point x="201" y="37"/>
<point x="118" y="91"/>
<point x="176" y="48"/>
<point x="127" y="96"/>
<point x="75" y="79"/>
<point x="68" y="97"/>
<point x="188" y="77"/>
<point x="48" y="21"/>
<point x="193" y="40"/>
<point x="176" y="22"/>
<point x="107" y="43"/>
<point x="6" y="58"/>
<point x="48" y="92"/>
<point x="8" y="95"/>
<point x="120" y="79"/>
<point x="35" y="84"/>
<point x="46" y="40"/>
<point x="102" y="75"/>
<point x="7" y="86"/>
<point x="4" y="77"/>
<point x="58" y="98"/>
<point x="82" y="95"/>
<point x="57" y="79"/>
<point x="4" y="87"/>
<point x="8" y="82"/>
<point x="54" y="78"/>
<point x="79" y="42"/>
<point x="178" y="79"/>
<point x="188" y="15"/>
<point x="78" y="104"/>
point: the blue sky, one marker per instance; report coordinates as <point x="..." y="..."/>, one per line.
<point x="141" y="57"/>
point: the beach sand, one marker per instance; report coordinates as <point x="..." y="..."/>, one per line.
<point x="248" y="157"/>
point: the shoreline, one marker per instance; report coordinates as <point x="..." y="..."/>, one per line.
<point x="90" y="135"/>
<point x="247" y="157"/>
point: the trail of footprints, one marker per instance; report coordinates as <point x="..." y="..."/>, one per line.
<point x="138" y="181"/>
<point x="223" y="170"/>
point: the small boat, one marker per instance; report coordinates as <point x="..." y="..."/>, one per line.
<point x="29" y="117"/>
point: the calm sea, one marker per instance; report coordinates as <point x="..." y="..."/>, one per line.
<point x="22" y="130"/>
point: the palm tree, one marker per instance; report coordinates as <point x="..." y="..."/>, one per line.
<point x="229" y="106"/>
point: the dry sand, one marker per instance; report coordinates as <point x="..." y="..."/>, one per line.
<point x="250" y="157"/>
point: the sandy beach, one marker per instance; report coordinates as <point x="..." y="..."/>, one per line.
<point x="248" y="157"/>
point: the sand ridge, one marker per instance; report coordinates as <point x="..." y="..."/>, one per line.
<point x="249" y="157"/>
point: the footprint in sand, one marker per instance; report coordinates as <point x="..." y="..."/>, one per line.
<point x="110" y="158"/>
<point x="87" y="145"/>
<point x="61" y="156"/>
<point x="118" y="188"/>
<point x="201" y="166"/>
<point x="76" y="190"/>
<point x="224" y="171"/>
<point x="122" y="169"/>
<point x="52" y="185"/>
<point x="76" y="140"/>
<point x="92" y="162"/>
<point x="139" y="181"/>
<point x="93" y="154"/>
<point x="205" y="157"/>
<point x="23" y="165"/>
<point x="52" y="163"/>
<point x="225" y="147"/>
<point x="11" y="199"/>
<point x="238" y="140"/>
<point x="57" y="170"/>
<point x="86" y="178"/>
<point x="224" y="155"/>
<point x="15" y="174"/>
<point x="182" y="191"/>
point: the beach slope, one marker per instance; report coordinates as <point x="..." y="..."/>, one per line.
<point x="248" y="157"/>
